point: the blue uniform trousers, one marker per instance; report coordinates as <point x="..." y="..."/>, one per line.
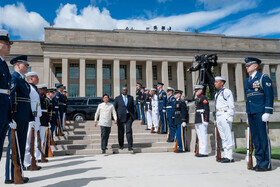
<point x="138" y="111"/>
<point x="22" y="128"/>
<point x="172" y="128"/>
<point x="180" y="137"/>
<point x="162" y="121"/>
<point x="259" y="131"/>
<point x="3" y="131"/>
<point x="143" y="113"/>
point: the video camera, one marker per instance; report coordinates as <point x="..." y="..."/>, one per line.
<point x="204" y="58"/>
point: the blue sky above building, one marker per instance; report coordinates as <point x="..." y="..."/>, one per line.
<point x="26" y="19"/>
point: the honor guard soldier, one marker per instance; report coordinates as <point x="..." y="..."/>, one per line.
<point x="138" y="93"/>
<point x="259" y="106"/>
<point x="22" y="114"/>
<point x="224" y="116"/>
<point x="5" y="84"/>
<point x="52" y="111"/>
<point x="61" y="107"/>
<point x="34" y="126"/>
<point x="181" y="115"/>
<point x="65" y="108"/>
<point x="162" y="100"/>
<point x="170" y="108"/>
<point x="155" y="112"/>
<point x="148" y="108"/>
<point x="201" y="121"/>
<point x="142" y="98"/>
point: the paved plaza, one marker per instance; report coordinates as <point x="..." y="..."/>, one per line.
<point x="145" y="169"/>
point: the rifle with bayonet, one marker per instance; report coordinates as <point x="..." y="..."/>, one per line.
<point x="250" y="149"/>
<point x="217" y="140"/>
<point x="18" y="172"/>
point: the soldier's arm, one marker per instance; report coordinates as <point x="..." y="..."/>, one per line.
<point x="206" y="108"/>
<point x="164" y="95"/>
<point x="195" y="68"/>
<point x="184" y="112"/>
<point x="230" y="100"/>
<point x="14" y="87"/>
<point x="268" y="92"/>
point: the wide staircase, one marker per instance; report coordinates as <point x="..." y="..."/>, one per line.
<point x="85" y="139"/>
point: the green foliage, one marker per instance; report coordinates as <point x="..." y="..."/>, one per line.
<point x="275" y="152"/>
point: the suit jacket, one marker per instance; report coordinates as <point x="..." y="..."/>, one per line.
<point x="121" y="108"/>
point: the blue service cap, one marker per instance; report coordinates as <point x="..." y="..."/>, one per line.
<point x="252" y="60"/>
<point x="4" y="35"/>
<point x="170" y="89"/>
<point x="178" y="91"/>
<point x="160" y="83"/>
<point x="21" y="58"/>
<point x="59" y="86"/>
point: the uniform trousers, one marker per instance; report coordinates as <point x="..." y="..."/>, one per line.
<point x="138" y="111"/>
<point x="224" y="128"/>
<point x="63" y="121"/>
<point x="21" y="131"/>
<point x="149" y="119"/>
<point x="3" y="132"/>
<point x="105" y="133"/>
<point x="125" y="126"/>
<point x="180" y="137"/>
<point x="143" y="114"/>
<point x="201" y="131"/>
<point x="172" y="128"/>
<point x="43" y="130"/>
<point x="155" y="117"/>
<point x="162" y="121"/>
<point x="259" y="131"/>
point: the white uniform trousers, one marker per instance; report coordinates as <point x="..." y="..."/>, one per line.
<point x="42" y="136"/>
<point x="224" y="128"/>
<point x="201" y="131"/>
<point x="155" y="117"/>
<point x="149" y="119"/>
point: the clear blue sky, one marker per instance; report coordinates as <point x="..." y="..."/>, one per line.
<point x="26" y="19"/>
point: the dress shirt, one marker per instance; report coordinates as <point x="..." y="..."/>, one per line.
<point x="104" y="112"/>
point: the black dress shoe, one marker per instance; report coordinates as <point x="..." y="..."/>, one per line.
<point x="9" y="181"/>
<point x="169" y="140"/>
<point x="178" y="151"/>
<point x="147" y="129"/>
<point x="153" y="132"/>
<point x="130" y="149"/>
<point x="25" y="179"/>
<point x="121" y="147"/>
<point x="201" y="155"/>
<point x="103" y="151"/>
<point x="226" y="160"/>
<point x="46" y="160"/>
<point x="254" y="168"/>
<point x="163" y="133"/>
<point x="260" y="169"/>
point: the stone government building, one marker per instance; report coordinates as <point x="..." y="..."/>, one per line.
<point x="94" y="62"/>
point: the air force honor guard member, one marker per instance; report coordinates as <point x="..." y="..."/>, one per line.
<point x="22" y="113"/>
<point x="5" y="83"/>
<point x="181" y="115"/>
<point x="259" y="106"/>
<point x="61" y="107"/>
<point x="162" y="100"/>
<point x="170" y="107"/>
<point x="224" y="115"/>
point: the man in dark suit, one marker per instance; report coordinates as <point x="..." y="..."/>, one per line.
<point x="124" y="106"/>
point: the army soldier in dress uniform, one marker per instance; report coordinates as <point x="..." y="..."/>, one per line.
<point x="5" y="83"/>
<point x="181" y="115"/>
<point x="259" y="106"/>
<point x="138" y="93"/>
<point x="52" y="111"/>
<point x="170" y="108"/>
<point x="155" y="112"/>
<point x="142" y="104"/>
<point x="33" y="79"/>
<point x="224" y="115"/>
<point x="65" y="108"/>
<point x="22" y="113"/>
<point x="162" y="100"/>
<point x="61" y="108"/>
<point x="148" y="108"/>
<point x="201" y="120"/>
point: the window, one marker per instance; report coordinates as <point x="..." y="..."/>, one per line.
<point x="123" y="72"/>
<point x="138" y="72"/>
<point x="106" y="71"/>
<point x="154" y="72"/>
<point x="74" y="71"/>
<point x="107" y="89"/>
<point x="90" y="90"/>
<point x="29" y="69"/>
<point x="73" y="90"/>
<point x="90" y="71"/>
<point x="58" y="72"/>
<point x="169" y="72"/>
<point x="185" y="72"/>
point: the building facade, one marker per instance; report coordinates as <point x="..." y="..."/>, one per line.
<point x="95" y="62"/>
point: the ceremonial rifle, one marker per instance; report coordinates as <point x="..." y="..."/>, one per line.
<point x="217" y="139"/>
<point x="32" y="150"/>
<point x="250" y="149"/>
<point x="18" y="178"/>
<point x="40" y="147"/>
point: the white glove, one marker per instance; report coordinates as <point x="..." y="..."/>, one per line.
<point x="32" y="124"/>
<point x="37" y="126"/>
<point x="230" y="119"/>
<point x="50" y="125"/>
<point x="265" y="117"/>
<point x="13" y="124"/>
<point x="205" y="123"/>
<point x="184" y="124"/>
<point x="163" y="110"/>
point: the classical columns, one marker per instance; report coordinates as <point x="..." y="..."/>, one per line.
<point x="277" y="73"/>
<point x="180" y="76"/>
<point x="65" y="68"/>
<point x="132" y="77"/>
<point x="164" y="74"/>
<point x="82" y="77"/>
<point x="239" y="82"/>
<point x="47" y="71"/>
<point x="116" y="79"/>
<point x="149" y="74"/>
<point x="99" y="78"/>
<point x="266" y="69"/>
<point x="224" y="73"/>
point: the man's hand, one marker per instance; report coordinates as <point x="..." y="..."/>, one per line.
<point x="95" y="123"/>
<point x="265" y="117"/>
<point x="188" y="70"/>
<point x="116" y="122"/>
<point x="13" y="124"/>
<point x="230" y="119"/>
<point x="163" y="110"/>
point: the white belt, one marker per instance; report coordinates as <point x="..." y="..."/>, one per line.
<point x="56" y="107"/>
<point x="169" y="107"/>
<point x="44" y="110"/>
<point x="5" y="91"/>
<point x="221" y="109"/>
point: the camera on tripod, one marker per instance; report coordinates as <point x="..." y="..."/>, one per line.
<point x="204" y="58"/>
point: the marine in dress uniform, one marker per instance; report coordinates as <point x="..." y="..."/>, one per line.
<point x="138" y="93"/>
<point x="33" y="79"/>
<point x="181" y="118"/>
<point x="22" y="114"/>
<point x="162" y="100"/>
<point x="259" y="105"/>
<point x="142" y="104"/>
<point x="224" y="116"/>
<point x="61" y="105"/>
<point x="155" y="111"/>
<point x="201" y="120"/>
<point x="170" y="108"/>
<point x="52" y="111"/>
<point x="148" y="108"/>
<point x="5" y="84"/>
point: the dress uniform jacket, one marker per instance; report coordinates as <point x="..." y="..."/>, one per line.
<point x="61" y="104"/>
<point x="170" y="106"/>
<point x="162" y="100"/>
<point x="181" y="112"/>
<point x="52" y="111"/>
<point x="148" y="100"/>
<point x="201" y="103"/>
<point x="44" y="107"/>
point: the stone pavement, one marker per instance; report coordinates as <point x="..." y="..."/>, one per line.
<point x="145" y="169"/>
